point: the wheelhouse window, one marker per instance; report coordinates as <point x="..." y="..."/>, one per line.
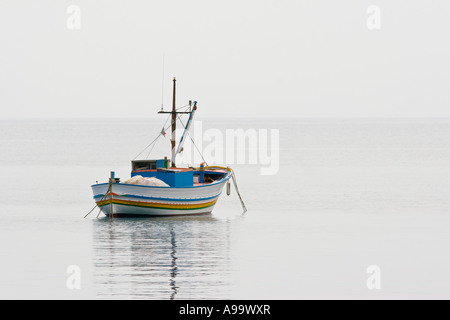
<point x="140" y="165"/>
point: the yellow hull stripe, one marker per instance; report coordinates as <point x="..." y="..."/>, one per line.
<point x="157" y="205"/>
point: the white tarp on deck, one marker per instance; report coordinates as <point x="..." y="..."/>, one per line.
<point x="140" y="180"/>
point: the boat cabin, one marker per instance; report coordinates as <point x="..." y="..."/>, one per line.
<point x="175" y="177"/>
<point x="138" y="165"/>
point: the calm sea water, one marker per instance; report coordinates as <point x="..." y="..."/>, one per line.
<point x="349" y="194"/>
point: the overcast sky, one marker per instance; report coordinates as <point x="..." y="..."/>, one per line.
<point x="237" y="58"/>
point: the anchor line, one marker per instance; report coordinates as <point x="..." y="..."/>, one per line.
<point x="104" y="196"/>
<point x="107" y="192"/>
<point x="238" y="193"/>
<point x="233" y="176"/>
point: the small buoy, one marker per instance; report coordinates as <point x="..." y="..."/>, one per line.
<point x="228" y="188"/>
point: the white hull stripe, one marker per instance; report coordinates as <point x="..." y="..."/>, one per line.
<point x="155" y="198"/>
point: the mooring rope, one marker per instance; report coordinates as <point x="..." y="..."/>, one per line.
<point x="107" y="191"/>
<point x="104" y="196"/>
<point x="238" y="193"/>
<point x="233" y="176"/>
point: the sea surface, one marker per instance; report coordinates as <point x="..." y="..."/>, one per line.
<point x="346" y="197"/>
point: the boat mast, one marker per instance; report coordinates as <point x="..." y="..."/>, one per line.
<point x="174" y="123"/>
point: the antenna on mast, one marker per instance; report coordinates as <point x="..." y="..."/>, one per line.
<point x="162" y="87"/>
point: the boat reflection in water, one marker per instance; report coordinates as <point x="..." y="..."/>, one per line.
<point x="162" y="258"/>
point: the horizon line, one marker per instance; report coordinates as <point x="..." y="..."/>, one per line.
<point x="226" y="117"/>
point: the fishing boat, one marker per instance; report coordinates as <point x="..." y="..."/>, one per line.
<point x="160" y="188"/>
